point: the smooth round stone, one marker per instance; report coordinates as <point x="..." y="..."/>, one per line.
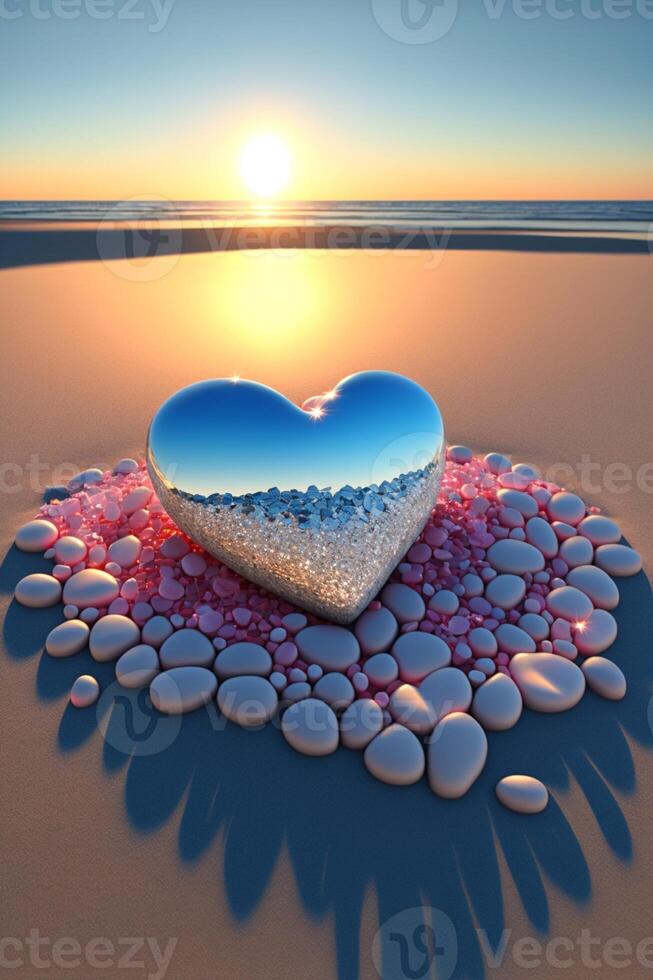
<point x="294" y="622"/>
<point x="419" y="654"/>
<point x="482" y="642"/>
<point x="70" y="550"/>
<point x="535" y="625"/>
<point x="547" y="682"/>
<point x="156" y="630"/>
<point x="360" y="722"/>
<point x="67" y="638"/>
<point x="36" y="536"/>
<point x="87" y="478"/>
<point x="311" y="727"/>
<point x="297" y="692"/>
<point x="569" y="603"/>
<point x="174" y="547"/>
<point x="382" y="669"/>
<point x="182" y="689"/>
<point x="248" y="701"/>
<point x="447" y="690"/>
<point x="189" y="648"/>
<point x="618" y="559"/>
<point x="335" y="689"/>
<point x="332" y="647"/>
<point x="515" y="557"/>
<point x="239" y="659"/>
<point x="138" y="666"/>
<point x="566" y="507"/>
<point x="126" y="466"/>
<point x="600" y="530"/>
<point x="405" y="603"/>
<point x="512" y="639"/>
<point x="91" y="587"/>
<point x="518" y="500"/>
<point x="136" y="499"/>
<point x="497" y="463"/>
<point x="376" y="630"/>
<point x="410" y="708"/>
<point x="541" y="535"/>
<point x="84" y="692"/>
<point x="444" y="602"/>
<point x="497" y="704"/>
<point x="604" y="678"/>
<point x="460" y="454"/>
<point x="596" y="584"/>
<point x="599" y="633"/>
<point x="111" y="636"/>
<point x="125" y="551"/>
<point x="457" y="752"/>
<point x="523" y="794"/>
<point x="395" y="756"/>
<point x="505" y="591"/>
<point x="38" y="591"/>
<point x="576" y="551"/>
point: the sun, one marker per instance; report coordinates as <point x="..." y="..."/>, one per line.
<point x="265" y="165"/>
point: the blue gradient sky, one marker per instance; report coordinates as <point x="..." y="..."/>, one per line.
<point x="498" y="107"/>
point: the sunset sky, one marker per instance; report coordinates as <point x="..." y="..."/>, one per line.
<point x="499" y="107"/>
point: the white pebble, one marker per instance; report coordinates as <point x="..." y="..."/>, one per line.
<point x="497" y="704"/>
<point x="410" y="708"/>
<point x="376" y="630"/>
<point x="382" y="669"/>
<point x="598" y="633"/>
<point x="360" y="722"/>
<point x="600" y="530"/>
<point x="36" y="536"/>
<point x="239" y="659"/>
<point x="38" y="591"/>
<point x="188" y="648"/>
<point x="566" y="507"/>
<point x="447" y="690"/>
<point x="444" y="602"/>
<point x="248" y="701"/>
<point x="523" y="794"/>
<point x="138" y="666"/>
<point x="457" y="752"/>
<point x="125" y="551"/>
<point x="332" y="647"/>
<point x="547" y="682"/>
<point x="335" y="689"/>
<point x="182" y="689"/>
<point x="604" y="678"/>
<point x="569" y="603"/>
<point x="111" y="636"/>
<point x="311" y="727"/>
<point x="576" y="551"/>
<point x="84" y="692"/>
<point x="419" y="654"/>
<point x="515" y="557"/>
<point x="70" y="550"/>
<point x="67" y="638"/>
<point x="91" y="587"/>
<point x="596" y="584"/>
<point x="156" y="630"/>
<point x="541" y="535"/>
<point x="618" y="560"/>
<point x="505" y="591"/>
<point x="395" y="756"/>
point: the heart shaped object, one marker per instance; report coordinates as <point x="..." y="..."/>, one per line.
<point x="317" y="504"/>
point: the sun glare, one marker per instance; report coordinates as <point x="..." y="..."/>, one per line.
<point x="265" y="165"/>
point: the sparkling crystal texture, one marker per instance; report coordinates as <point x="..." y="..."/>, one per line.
<point x="317" y="505"/>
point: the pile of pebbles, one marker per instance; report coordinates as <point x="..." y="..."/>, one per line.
<point x="504" y="601"/>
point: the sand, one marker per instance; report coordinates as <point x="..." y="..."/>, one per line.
<point x="262" y="863"/>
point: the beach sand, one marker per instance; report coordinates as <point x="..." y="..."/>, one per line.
<point x="263" y="863"/>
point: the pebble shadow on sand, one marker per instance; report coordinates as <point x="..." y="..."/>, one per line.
<point x="345" y="831"/>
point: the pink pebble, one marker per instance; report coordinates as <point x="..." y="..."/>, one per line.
<point x="171" y="589"/>
<point x="193" y="564"/>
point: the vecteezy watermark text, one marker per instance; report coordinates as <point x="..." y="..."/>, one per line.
<point x="38" y="952"/>
<point x="426" y="21"/>
<point x="155" y="13"/>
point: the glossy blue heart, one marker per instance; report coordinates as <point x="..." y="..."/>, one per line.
<point x="316" y="503"/>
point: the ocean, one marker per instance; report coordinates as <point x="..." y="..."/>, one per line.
<point x="600" y="217"/>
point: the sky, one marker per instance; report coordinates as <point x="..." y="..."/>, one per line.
<point x="516" y="99"/>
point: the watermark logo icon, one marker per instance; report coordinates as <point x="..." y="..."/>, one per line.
<point x="130" y="724"/>
<point x="138" y="241"/>
<point x="416" y="944"/>
<point x="415" y="21"/>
